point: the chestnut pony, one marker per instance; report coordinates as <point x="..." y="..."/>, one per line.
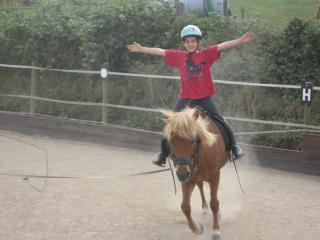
<point x="198" y="151"/>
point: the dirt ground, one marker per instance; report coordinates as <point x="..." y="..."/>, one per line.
<point x="277" y="204"/>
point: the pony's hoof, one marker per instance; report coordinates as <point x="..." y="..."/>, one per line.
<point x="199" y="231"/>
<point x="205" y="212"/>
<point x="216" y="235"/>
<point x="205" y="206"/>
<point x="205" y="209"/>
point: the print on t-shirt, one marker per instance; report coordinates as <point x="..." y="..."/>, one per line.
<point x="196" y="82"/>
<point x="194" y="70"/>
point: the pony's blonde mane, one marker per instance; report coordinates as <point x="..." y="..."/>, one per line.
<point x="189" y="125"/>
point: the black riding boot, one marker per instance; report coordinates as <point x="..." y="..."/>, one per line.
<point x="235" y="149"/>
<point x="237" y="152"/>
<point x="161" y="157"/>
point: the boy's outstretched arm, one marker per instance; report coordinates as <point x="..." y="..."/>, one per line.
<point x="136" y="47"/>
<point x="247" y="37"/>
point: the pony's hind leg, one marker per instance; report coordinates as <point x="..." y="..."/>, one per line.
<point x="203" y="198"/>
<point x="187" y="189"/>
<point x="214" y="203"/>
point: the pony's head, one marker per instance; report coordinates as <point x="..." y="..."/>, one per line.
<point x="185" y="131"/>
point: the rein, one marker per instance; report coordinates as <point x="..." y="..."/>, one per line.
<point x="231" y="159"/>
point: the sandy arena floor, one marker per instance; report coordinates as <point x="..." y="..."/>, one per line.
<point x="277" y="205"/>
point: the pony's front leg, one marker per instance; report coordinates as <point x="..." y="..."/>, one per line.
<point x="187" y="189"/>
<point x="214" y="204"/>
<point x="203" y="198"/>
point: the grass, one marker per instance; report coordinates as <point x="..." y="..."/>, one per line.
<point x="277" y="12"/>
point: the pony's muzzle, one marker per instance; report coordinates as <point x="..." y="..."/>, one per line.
<point x="183" y="168"/>
<point x="183" y="175"/>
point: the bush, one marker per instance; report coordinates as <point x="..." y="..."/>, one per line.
<point x="87" y="36"/>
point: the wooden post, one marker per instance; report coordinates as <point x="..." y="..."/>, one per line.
<point x="103" y="74"/>
<point x="242" y="13"/>
<point x="306" y="99"/>
<point x="149" y="92"/>
<point x="180" y="9"/>
<point x="33" y="90"/>
<point x="318" y="13"/>
<point x="306" y="114"/>
<point x="104" y="100"/>
<point x="225" y="8"/>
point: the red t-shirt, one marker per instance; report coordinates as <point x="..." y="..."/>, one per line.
<point x="196" y="83"/>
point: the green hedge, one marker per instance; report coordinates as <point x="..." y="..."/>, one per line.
<point x="86" y="36"/>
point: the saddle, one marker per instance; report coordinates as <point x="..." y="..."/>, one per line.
<point x="219" y="123"/>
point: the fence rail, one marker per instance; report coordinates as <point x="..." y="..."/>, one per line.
<point x="316" y="88"/>
<point x="104" y="103"/>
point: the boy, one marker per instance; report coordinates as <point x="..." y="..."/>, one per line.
<point x="196" y="87"/>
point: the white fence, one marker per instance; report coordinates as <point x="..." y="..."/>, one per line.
<point x="33" y="98"/>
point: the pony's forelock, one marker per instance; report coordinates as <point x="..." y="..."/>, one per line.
<point x="184" y="125"/>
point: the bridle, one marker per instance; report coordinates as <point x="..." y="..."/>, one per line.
<point x="193" y="161"/>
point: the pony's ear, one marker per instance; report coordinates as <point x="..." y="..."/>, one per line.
<point x="196" y="114"/>
<point x="167" y="115"/>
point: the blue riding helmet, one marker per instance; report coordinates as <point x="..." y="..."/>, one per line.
<point x="191" y="30"/>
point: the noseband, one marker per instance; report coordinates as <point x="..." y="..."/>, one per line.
<point x="194" y="158"/>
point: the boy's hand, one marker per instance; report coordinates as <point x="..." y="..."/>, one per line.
<point x="135" y="47"/>
<point x="247" y="37"/>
